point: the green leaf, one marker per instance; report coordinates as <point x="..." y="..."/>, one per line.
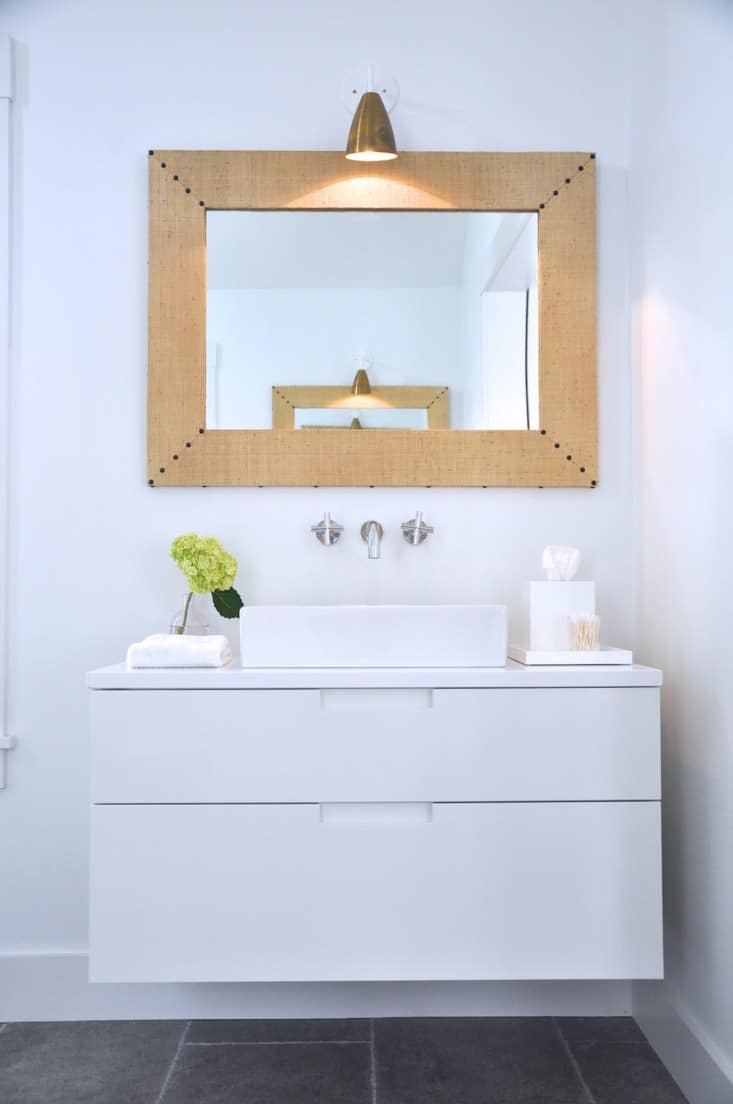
<point x="227" y="602"/>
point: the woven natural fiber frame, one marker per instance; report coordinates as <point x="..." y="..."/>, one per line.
<point x="433" y="400"/>
<point x="560" y="187"/>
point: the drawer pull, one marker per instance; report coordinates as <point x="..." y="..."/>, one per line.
<point x="368" y="698"/>
<point x="376" y="812"/>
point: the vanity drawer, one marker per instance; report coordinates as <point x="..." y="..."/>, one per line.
<point x="162" y="746"/>
<point x="373" y="892"/>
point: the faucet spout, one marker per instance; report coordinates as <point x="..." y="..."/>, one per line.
<point x="372" y="533"/>
<point x="373" y="541"/>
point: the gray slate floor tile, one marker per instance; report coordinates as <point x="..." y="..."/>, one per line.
<point x="625" y="1073"/>
<point x="430" y="1061"/>
<point x="266" y="1031"/>
<point x="296" y="1073"/>
<point x="593" y="1029"/>
<point x="473" y="1061"/>
<point x="86" y="1063"/>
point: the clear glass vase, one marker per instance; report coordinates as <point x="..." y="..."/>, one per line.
<point x="192" y="619"/>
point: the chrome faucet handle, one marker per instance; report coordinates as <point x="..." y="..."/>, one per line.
<point x="415" y="531"/>
<point x="327" y="531"/>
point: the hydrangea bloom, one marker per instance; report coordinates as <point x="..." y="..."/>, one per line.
<point x="204" y="562"/>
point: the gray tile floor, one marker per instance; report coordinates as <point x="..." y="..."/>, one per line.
<point x="395" y="1061"/>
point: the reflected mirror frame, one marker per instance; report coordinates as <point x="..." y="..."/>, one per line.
<point x="559" y="187"/>
<point x="434" y="400"/>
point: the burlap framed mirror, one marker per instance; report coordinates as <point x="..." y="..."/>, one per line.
<point x="237" y="306"/>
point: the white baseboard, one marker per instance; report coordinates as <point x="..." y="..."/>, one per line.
<point x="55" y="987"/>
<point x="698" y="1065"/>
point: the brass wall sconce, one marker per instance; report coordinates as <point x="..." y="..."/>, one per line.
<point x="371" y="137"/>
<point x="361" y="396"/>
<point x="361" y="384"/>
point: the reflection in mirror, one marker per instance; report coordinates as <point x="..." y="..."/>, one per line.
<point x="439" y="304"/>
<point x="403" y="417"/>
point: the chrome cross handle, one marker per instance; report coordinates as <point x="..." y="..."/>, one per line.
<point x="327" y="531"/>
<point x="415" y="531"/>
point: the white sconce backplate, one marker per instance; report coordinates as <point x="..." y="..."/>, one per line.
<point x="356" y="83"/>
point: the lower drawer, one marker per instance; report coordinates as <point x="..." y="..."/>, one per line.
<point x="402" y="891"/>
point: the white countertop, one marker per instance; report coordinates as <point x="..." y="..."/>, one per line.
<point x="233" y="677"/>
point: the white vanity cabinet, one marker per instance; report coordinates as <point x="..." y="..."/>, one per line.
<point x="372" y="825"/>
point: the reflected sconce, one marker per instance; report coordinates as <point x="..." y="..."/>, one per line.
<point x="371" y="137"/>
<point x="361" y="384"/>
<point x="361" y="397"/>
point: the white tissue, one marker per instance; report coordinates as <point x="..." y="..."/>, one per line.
<point x="560" y="563"/>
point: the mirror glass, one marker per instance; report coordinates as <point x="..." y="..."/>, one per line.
<point x="403" y="417"/>
<point x="371" y="319"/>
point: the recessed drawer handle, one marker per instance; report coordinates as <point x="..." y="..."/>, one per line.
<point x="376" y="812"/>
<point x="368" y="698"/>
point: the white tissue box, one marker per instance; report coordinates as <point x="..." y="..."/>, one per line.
<point x="550" y="608"/>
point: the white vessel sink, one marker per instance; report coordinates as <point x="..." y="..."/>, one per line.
<point x="373" y="636"/>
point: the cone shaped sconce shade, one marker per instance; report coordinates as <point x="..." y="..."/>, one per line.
<point x="361" y="385"/>
<point x="371" y="137"/>
<point x="360" y="397"/>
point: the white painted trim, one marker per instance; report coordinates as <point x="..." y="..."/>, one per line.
<point x="55" y="986"/>
<point x="6" y="98"/>
<point x="699" y="1066"/>
<point x="7" y="69"/>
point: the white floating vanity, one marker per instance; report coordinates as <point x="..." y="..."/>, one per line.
<point x="342" y="825"/>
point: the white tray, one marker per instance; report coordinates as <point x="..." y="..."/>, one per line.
<point x="604" y="656"/>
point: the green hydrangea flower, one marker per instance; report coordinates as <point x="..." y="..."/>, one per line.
<point x="204" y="562"/>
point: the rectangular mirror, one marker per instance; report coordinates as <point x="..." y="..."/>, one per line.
<point x="426" y="321"/>
<point x="440" y="300"/>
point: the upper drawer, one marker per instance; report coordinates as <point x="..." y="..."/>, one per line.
<point x="162" y="746"/>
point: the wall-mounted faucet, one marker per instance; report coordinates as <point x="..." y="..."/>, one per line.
<point x="372" y="532"/>
<point x="415" y="531"/>
<point x="327" y="531"/>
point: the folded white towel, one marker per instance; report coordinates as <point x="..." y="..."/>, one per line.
<point x="169" y="650"/>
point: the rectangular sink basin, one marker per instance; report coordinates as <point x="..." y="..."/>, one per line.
<point x="373" y="636"/>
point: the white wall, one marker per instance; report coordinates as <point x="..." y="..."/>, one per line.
<point x="681" y="167"/>
<point x="99" y="85"/>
